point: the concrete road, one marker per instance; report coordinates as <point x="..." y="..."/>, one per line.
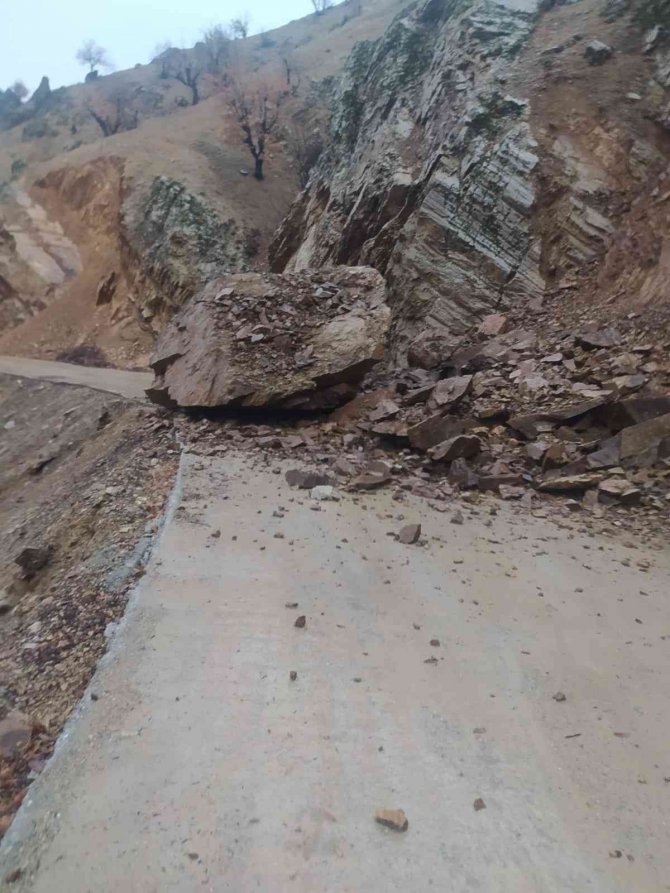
<point x="202" y="766"/>
<point x="116" y="381"/>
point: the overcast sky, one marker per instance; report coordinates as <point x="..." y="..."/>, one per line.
<point x="42" y="36"/>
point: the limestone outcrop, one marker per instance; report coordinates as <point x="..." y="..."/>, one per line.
<point x="480" y="162"/>
<point x="429" y="176"/>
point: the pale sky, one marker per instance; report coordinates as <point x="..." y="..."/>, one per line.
<point x="42" y="36"/>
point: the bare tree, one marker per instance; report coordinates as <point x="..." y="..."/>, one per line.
<point x="114" y="113"/>
<point x="181" y="66"/>
<point x="216" y="42"/>
<point x="293" y="77"/>
<point x="239" y="26"/>
<point x="92" y="55"/>
<point x="320" y="6"/>
<point x="19" y="90"/>
<point x="257" y="114"/>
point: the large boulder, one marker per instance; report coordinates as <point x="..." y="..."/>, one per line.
<point x="298" y="341"/>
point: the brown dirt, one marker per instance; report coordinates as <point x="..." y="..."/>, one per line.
<point x="586" y="108"/>
<point x="80" y="179"/>
<point x="87" y="474"/>
<point x="86" y="202"/>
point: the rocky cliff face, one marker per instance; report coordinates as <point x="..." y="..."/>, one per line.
<point x="482" y="154"/>
<point x="429" y="177"/>
<point x="172" y="243"/>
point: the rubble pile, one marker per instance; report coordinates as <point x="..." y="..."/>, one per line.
<point x="503" y="410"/>
<point x="300" y="341"/>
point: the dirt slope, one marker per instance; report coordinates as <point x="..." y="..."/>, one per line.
<point x="83" y="478"/>
<point x="98" y="190"/>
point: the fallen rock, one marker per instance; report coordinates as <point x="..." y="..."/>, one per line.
<point x="555" y="456"/>
<point x="344" y="467"/>
<point x="435" y="429"/>
<point x="493" y="324"/>
<point x="602" y="338"/>
<point x="386" y="409"/>
<point x="596" y="52"/>
<point x="32" y="559"/>
<point x="607" y="455"/>
<point x="536" y="450"/>
<point x="644" y="439"/>
<point x="633" y="410"/>
<point x="463" y="446"/>
<point x="461" y="475"/>
<point x="418" y="395"/>
<point x="479" y="804"/>
<point x="510" y="492"/>
<point x="494" y="481"/>
<point x="361" y="406"/>
<point x="15" y="732"/>
<point x="306" y="480"/>
<point x="393" y="428"/>
<point x="409" y="534"/>
<point x="619" y="489"/>
<point x="448" y="391"/>
<point x="324" y="493"/>
<point x="300" y="622"/>
<point x="296" y="341"/>
<point x="569" y="482"/>
<point x="532" y="424"/>
<point x="395" y="819"/>
<point x="369" y="481"/>
<point x="431" y="350"/>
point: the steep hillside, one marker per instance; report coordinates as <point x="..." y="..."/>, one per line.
<point x="494" y="155"/>
<point x="149" y="214"/>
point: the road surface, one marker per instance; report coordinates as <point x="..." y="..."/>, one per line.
<point x="116" y="381"/>
<point x="200" y="765"/>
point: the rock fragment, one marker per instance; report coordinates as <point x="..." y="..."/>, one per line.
<point x="395" y="819"/>
<point x="493" y="324"/>
<point x="33" y="559"/>
<point x="619" y="489"/>
<point x="15" y="732"/>
<point x="409" y="534"/>
<point x="596" y="52"/>
<point x="306" y="479"/>
<point x="463" y="446"/>
<point x="371" y="480"/>
<point x="431" y="350"/>
<point x="449" y="391"/>
<point x="324" y="493"/>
